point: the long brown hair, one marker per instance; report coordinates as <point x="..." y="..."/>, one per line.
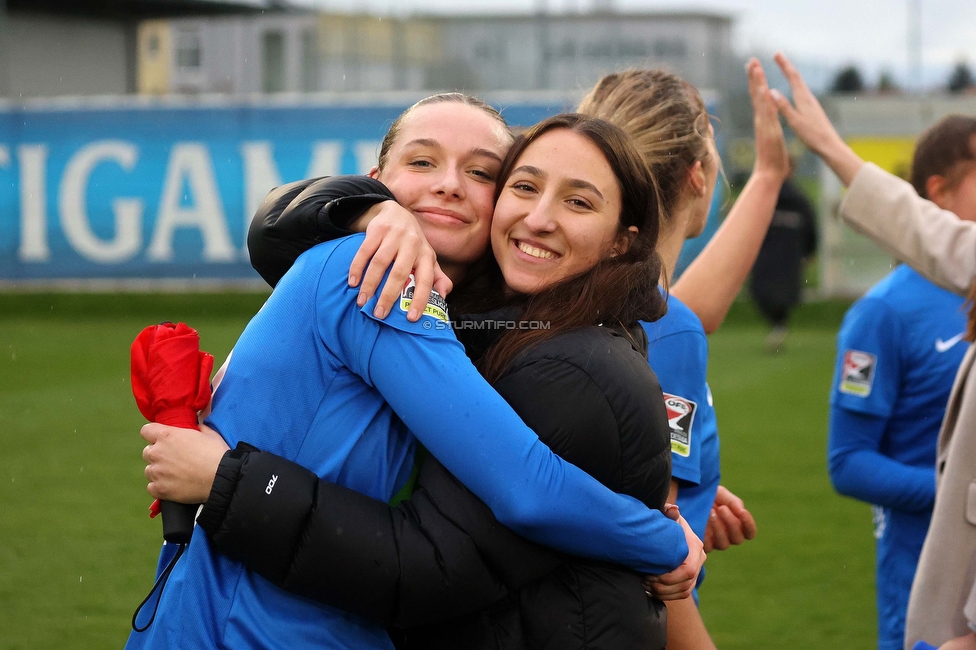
<point x="620" y="289"/>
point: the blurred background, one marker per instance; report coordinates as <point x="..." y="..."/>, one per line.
<point x="138" y="136"/>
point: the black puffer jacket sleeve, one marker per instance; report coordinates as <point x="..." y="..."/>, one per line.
<point x="299" y="215"/>
<point x="439" y="555"/>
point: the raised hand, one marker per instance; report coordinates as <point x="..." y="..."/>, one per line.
<point x="771" y="154"/>
<point x="810" y="123"/>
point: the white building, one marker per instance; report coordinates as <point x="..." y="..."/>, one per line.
<point x="254" y="54"/>
<point x="572" y="51"/>
<point x="85" y="47"/>
<point x="358" y="52"/>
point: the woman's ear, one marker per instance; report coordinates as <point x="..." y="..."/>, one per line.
<point x="696" y="178"/>
<point x="374" y="172"/>
<point x="624" y="240"/>
<point x="935" y="185"/>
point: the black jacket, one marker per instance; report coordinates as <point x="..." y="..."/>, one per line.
<point x="294" y="217"/>
<point x="777" y="274"/>
<point x="440" y="565"/>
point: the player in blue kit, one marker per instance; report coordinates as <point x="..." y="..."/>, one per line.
<point x="897" y="354"/>
<point x="678" y="353"/>
<point x="320" y="363"/>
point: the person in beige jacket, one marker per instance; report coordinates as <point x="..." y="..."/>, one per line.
<point x="941" y="245"/>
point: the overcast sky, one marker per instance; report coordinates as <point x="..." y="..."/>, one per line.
<point x="830" y="33"/>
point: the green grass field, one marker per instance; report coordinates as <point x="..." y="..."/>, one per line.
<point x="77" y="550"/>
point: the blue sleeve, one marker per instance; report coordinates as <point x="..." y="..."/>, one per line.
<point x="680" y="361"/>
<point x="477" y="436"/>
<point x="867" y="372"/>
<point x="421" y="370"/>
<point x="859" y="470"/>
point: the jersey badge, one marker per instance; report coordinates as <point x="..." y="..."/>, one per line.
<point x="858" y="373"/>
<point x="681" y="415"/>
<point x="436" y="305"/>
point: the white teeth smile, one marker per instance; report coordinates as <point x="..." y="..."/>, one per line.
<point x="535" y="252"/>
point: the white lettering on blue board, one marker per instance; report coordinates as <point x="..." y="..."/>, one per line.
<point x="32" y="159"/>
<point x="190" y="164"/>
<point x="72" y="201"/>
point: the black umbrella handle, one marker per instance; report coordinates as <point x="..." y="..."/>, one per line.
<point x="178" y="521"/>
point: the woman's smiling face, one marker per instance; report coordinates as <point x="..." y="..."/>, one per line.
<point x="443" y="166"/>
<point x="558" y="214"/>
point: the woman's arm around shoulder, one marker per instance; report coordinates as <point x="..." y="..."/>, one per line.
<point x="481" y="440"/>
<point x="296" y="216"/>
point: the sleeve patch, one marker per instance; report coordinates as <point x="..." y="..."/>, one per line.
<point x="857" y="375"/>
<point x="436" y="306"/>
<point x="681" y="416"/>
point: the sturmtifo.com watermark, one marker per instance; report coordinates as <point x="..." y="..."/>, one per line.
<point x="488" y="324"/>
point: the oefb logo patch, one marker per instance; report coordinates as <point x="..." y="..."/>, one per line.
<point x="857" y="376"/>
<point x="681" y="416"/>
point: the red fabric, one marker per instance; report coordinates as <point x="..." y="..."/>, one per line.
<point x="170" y="376"/>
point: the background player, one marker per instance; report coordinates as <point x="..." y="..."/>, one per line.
<point x="897" y="354"/>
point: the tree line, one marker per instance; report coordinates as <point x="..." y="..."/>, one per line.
<point x="850" y="80"/>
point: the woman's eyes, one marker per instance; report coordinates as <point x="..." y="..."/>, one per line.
<point x="483" y="175"/>
<point x="480" y="174"/>
<point x="575" y="202"/>
<point x="522" y="186"/>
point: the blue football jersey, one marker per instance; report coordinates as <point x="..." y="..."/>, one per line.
<point x="898" y="351"/>
<point x="678" y="353"/>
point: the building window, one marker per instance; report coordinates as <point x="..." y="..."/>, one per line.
<point x="310" y="61"/>
<point x="187" y="49"/>
<point x="273" y="62"/>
